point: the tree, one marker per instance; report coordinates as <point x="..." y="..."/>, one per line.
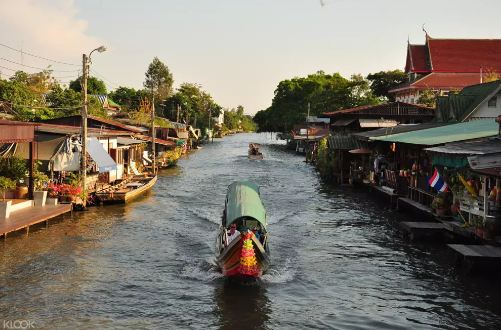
<point x="94" y="86"/>
<point x="428" y="98"/>
<point x="159" y="79"/>
<point x="319" y="92"/>
<point x="383" y="81"/>
<point x="128" y="98"/>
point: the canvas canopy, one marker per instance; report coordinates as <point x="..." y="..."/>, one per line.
<point x="103" y="160"/>
<point x="243" y="200"/>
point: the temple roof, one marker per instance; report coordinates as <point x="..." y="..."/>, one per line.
<point x="454" y="56"/>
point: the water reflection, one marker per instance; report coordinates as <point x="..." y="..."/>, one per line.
<point x="242" y="307"/>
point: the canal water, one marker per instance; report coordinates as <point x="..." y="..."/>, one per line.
<point x="337" y="259"/>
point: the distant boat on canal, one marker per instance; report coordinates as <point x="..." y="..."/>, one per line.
<point x="243" y="239"/>
<point x="254" y="152"/>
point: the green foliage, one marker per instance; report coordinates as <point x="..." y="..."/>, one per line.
<point x="40" y="179"/>
<point x="13" y="168"/>
<point x="195" y="106"/>
<point x="94" y="86"/>
<point x="159" y="79"/>
<point x="442" y="200"/>
<point x="322" y="91"/>
<point x="38" y="96"/>
<point x="428" y="98"/>
<point x="128" y="98"/>
<point x="235" y="119"/>
<point x="323" y="160"/>
<point x="6" y="184"/>
<point x="383" y="81"/>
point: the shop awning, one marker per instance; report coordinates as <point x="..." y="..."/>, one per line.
<point x="451" y="133"/>
<point x="475" y="147"/>
<point x="377" y="123"/>
<point x="402" y="128"/>
<point x="103" y="160"/>
<point x="482" y="162"/>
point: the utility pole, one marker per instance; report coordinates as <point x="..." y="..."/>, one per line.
<point x="83" y="131"/>
<point x="153" y="151"/>
<point x="307" y="132"/>
<point x="210" y="119"/>
<point x="83" y="160"/>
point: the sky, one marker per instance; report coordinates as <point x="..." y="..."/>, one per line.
<point x="237" y="50"/>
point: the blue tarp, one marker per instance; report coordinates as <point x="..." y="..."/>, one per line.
<point x="103" y="160"/>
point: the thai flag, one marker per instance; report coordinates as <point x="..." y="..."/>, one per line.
<point x="437" y="182"/>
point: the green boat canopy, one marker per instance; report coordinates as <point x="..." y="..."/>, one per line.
<point x="243" y="200"/>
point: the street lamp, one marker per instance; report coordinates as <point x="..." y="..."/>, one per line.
<point x="83" y="161"/>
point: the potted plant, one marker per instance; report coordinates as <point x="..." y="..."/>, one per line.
<point x="15" y="169"/>
<point x="5" y="184"/>
<point x="441" y="204"/>
<point x="40" y="179"/>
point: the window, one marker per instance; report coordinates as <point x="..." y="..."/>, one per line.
<point x="492" y="102"/>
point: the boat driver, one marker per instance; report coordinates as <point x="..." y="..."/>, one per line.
<point x="233" y="233"/>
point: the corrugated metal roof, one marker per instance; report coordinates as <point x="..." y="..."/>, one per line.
<point x="386" y="109"/>
<point x="450" y="133"/>
<point x="370" y="123"/>
<point x="343" y="142"/>
<point x="125" y="141"/>
<point x="395" y="130"/>
<point x="342" y="122"/>
<point x="157" y="141"/>
<point x="477" y="147"/>
<point x="69" y="130"/>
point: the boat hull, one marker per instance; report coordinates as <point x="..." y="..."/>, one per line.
<point x="244" y="258"/>
<point x="125" y="196"/>
<point x="256" y="157"/>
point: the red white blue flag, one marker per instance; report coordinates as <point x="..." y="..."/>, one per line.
<point x="437" y="182"/>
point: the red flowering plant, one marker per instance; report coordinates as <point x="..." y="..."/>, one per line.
<point x="63" y="189"/>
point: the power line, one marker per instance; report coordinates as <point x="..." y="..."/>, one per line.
<point x="14" y="70"/>
<point x="106" y="80"/>
<point x="37" y="56"/>
<point x="34" y="67"/>
<point x="41" y="107"/>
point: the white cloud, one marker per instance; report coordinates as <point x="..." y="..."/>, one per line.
<point x="49" y="28"/>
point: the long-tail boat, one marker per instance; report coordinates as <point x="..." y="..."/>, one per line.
<point x="243" y="239"/>
<point x="254" y="152"/>
<point x="127" y="191"/>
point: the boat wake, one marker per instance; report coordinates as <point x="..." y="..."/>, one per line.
<point x="282" y="274"/>
<point x="203" y="271"/>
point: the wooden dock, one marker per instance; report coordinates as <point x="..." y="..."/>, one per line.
<point x="415" y="207"/>
<point x="387" y="194"/>
<point x="429" y="231"/>
<point x="474" y="257"/>
<point x="25" y="218"/>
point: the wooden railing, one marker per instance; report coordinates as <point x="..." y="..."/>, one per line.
<point x="421" y="196"/>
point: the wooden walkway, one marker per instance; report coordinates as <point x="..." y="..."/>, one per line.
<point x="387" y="194"/>
<point x="477" y="257"/>
<point x="406" y="203"/>
<point x="25" y="218"/>
<point x="477" y="251"/>
<point x="423" y="230"/>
